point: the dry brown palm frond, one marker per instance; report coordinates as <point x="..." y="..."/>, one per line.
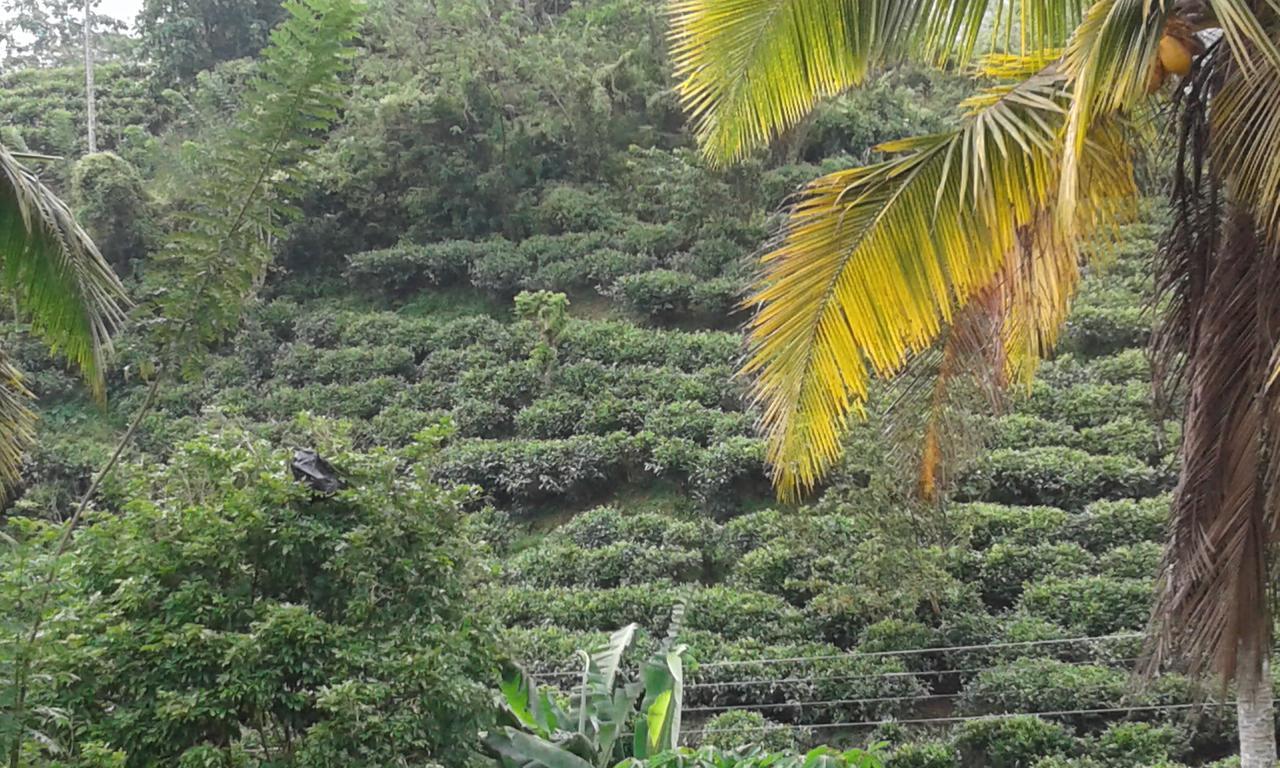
<point x="1213" y="591"/>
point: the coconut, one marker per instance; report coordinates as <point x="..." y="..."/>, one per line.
<point x="1174" y="56"/>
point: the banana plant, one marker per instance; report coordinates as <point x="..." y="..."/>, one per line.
<point x="539" y="730"/>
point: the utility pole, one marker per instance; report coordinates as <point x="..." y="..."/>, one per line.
<point x="90" y="107"/>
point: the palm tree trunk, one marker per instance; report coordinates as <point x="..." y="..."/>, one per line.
<point x="1254" y="712"/>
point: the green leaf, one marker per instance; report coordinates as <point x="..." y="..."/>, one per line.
<point x="533" y="751"/>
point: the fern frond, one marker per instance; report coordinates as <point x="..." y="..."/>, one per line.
<point x="247" y="174"/>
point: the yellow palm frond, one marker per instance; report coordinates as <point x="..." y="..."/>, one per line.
<point x="1035" y="289"/>
<point x="750" y="69"/>
<point x="874" y="261"/>
<point x="17" y="425"/>
<point x="1108" y="61"/>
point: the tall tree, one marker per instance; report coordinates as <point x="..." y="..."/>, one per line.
<point x="49" y="33"/>
<point x="186" y="37"/>
<point x="982" y="228"/>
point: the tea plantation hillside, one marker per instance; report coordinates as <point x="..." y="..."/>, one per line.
<point x="514" y="267"/>
<point x="624" y="476"/>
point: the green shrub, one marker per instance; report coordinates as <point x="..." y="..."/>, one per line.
<point x="923" y="755"/>
<point x="1011" y="742"/>
<point x="623" y="344"/>
<point x="1046" y="685"/>
<point x="397" y="426"/>
<point x="481" y="417"/>
<point x="1062" y="477"/>
<point x="657" y="240"/>
<point x="407" y="267"/>
<point x="554" y="416"/>
<point x="565" y="208"/>
<point x="696" y="422"/>
<point x="1004" y="567"/>
<point x="1021" y="431"/>
<point x="1106" y="320"/>
<point x="503" y="271"/>
<point x="607" y="525"/>
<point x="1091" y="605"/>
<point x="1121" y="368"/>
<point x="113" y="207"/>
<point x="848" y="680"/>
<point x="742" y="729"/>
<point x="710" y="258"/>
<point x="303" y="364"/>
<point x="1089" y="404"/>
<point x="526" y="471"/>
<point x="1136" y="745"/>
<point x="359" y="400"/>
<point x="1125" y="436"/>
<point x="556" y="564"/>
<point x="743" y="534"/>
<point x="733" y="614"/>
<point x="717" y="298"/>
<point x="209" y="616"/>
<point x="605" y="266"/>
<point x="983" y="524"/>
<point x="1106" y="525"/>
<point x="1136" y="561"/>
<point x="1058" y="761"/>
<point x="657" y="294"/>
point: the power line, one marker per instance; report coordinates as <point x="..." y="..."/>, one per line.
<point x="823" y="702"/>
<point x="876" y="676"/>
<point x="883" y="654"/>
<point x="967" y="718"/>
<point x="921" y="651"/>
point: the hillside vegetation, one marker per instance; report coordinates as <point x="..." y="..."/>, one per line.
<point x="607" y="461"/>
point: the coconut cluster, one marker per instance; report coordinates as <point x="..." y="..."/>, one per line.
<point x="1177" y="48"/>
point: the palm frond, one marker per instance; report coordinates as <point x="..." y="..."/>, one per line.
<point x="874" y="261"/>
<point x="1108" y="61"/>
<point x="1252" y="46"/>
<point x="55" y="272"/>
<point x="930" y="425"/>
<point x="1036" y="287"/>
<point x="750" y="69"/>
<point x="1212" y="594"/>
<point x="998" y="339"/>
<point x="17" y="424"/>
<point x="1245" y="124"/>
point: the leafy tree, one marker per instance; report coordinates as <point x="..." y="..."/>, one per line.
<point x="186" y="37"/>
<point x="231" y="615"/>
<point x="50" y="33"/>
<point x="114" y="208"/>
<point x="980" y="230"/>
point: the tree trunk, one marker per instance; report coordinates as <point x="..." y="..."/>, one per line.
<point x="1254" y="709"/>
<point x="91" y="117"/>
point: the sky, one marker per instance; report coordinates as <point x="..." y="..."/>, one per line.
<point x="125" y="10"/>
